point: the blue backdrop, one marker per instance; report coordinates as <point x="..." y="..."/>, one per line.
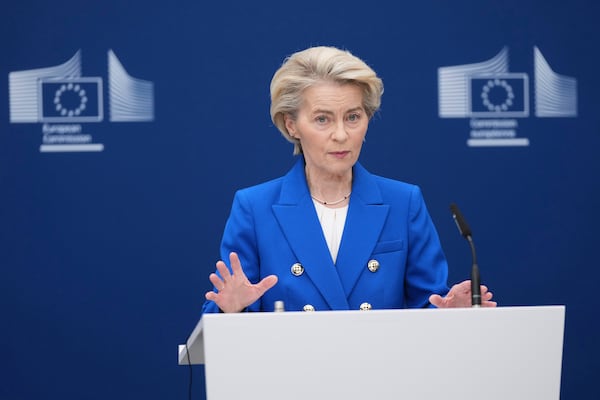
<point x="106" y="243"/>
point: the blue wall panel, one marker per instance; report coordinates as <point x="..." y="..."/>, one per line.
<point x="104" y="255"/>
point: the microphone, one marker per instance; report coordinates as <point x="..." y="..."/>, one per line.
<point x="465" y="231"/>
<point x="279" y="306"/>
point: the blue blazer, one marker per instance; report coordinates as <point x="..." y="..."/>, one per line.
<point x="274" y="225"/>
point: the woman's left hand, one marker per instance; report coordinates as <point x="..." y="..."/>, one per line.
<point x="460" y="296"/>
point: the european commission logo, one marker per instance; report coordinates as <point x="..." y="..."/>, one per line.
<point x="61" y="99"/>
<point x="70" y="100"/>
<point x="495" y="98"/>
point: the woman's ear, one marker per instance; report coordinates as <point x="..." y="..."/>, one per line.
<point x="290" y="125"/>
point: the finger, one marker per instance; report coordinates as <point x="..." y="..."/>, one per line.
<point x="211" y="296"/>
<point x="487" y="296"/>
<point x="236" y="265"/>
<point x="464" y="286"/>
<point x="266" y="284"/>
<point x="489" y="304"/>
<point x="223" y="270"/>
<point x="436" y="300"/>
<point x="483" y="289"/>
<point x="216" y="281"/>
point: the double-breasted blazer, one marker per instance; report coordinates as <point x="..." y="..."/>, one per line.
<point x="389" y="257"/>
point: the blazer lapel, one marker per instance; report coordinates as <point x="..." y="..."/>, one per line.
<point x="366" y="216"/>
<point x="298" y="220"/>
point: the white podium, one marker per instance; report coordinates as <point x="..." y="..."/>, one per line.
<point x="470" y="353"/>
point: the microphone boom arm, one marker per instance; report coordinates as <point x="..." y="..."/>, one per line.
<point x="465" y="231"/>
<point x="475" y="278"/>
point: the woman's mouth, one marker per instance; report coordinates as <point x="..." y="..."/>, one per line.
<point x="339" y="154"/>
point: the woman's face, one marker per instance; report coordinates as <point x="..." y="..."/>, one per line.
<point x="331" y="125"/>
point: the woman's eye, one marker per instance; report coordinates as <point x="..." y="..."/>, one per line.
<point x="353" y="117"/>
<point x="321" y="119"/>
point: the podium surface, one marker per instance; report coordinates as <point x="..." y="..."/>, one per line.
<point x="469" y="353"/>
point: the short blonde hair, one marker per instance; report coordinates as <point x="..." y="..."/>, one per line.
<point x="315" y="65"/>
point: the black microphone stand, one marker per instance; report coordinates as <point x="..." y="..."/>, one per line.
<point x="475" y="279"/>
<point x="465" y="231"/>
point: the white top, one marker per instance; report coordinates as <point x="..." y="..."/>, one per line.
<point x="332" y="222"/>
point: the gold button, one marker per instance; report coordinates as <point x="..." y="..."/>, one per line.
<point x="297" y="269"/>
<point x="365" y="306"/>
<point x="373" y="265"/>
<point x="308" y="308"/>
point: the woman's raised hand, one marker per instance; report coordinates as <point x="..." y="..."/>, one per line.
<point x="234" y="291"/>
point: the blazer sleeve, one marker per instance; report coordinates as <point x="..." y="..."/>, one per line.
<point x="239" y="235"/>
<point x="427" y="269"/>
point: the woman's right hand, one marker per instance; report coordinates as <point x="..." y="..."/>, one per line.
<point x="235" y="291"/>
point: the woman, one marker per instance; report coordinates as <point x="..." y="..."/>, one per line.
<point x="329" y="235"/>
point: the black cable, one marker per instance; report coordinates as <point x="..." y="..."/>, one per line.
<point x="189" y="362"/>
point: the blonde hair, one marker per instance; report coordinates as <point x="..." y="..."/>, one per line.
<point x="315" y="65"/>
